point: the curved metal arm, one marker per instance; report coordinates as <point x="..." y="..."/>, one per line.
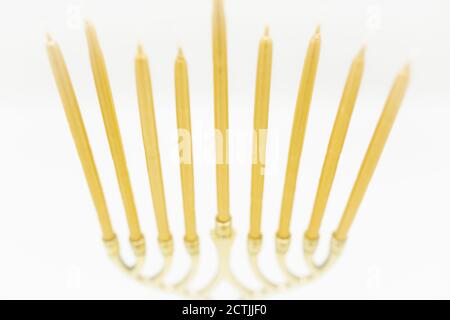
<point x="309" y="248"/>
<point x="192" y="247"/>
<point x="113" y="249"/>
<point x="282" y="248"/>
<point x="223" y="237"/>
<point x="292" y="279"/>
<point x="157" y="280"/>
<point x="166" y="248"/>
<point x="254" y="248"/>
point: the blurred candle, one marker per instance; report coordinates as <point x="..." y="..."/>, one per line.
<point x="112" y="131"/>
<point x="298" y="133"/>
<point x="374" y="151"/>
<point x="336" y="143"/>
<point x="185" y="145"/>
<point x="260" y="123"/>
<point x="76" y="125"/>
<point x="151" y="147"/>
<point x="221" y="110"/>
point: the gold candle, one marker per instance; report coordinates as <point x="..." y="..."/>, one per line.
<point x="336" y="143"/>
<point x="374" y="151"/>
<point x="298" y="133"/>
<point x="112" y="131"/>
<point x="76" y="125"/>
<point x="185" y="145"/>
<point x="221" y="110"/>
<point x="260" y="123"/>
<point x="150" y="139"/>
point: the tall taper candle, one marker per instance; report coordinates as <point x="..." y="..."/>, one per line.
<point x="221" y="110"/>
<point x="336" y="143"/>
<point x="151" y="146"/>
<point x="112" y="131"/>
<point x="185" y="145"/>
<point x="76" y="125"/>
<point x="260" y="123"/>
<point x="298" y="133"/>
<point x="374" y="151"/>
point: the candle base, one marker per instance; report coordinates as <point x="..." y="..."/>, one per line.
<point x="166" y="247"/>
<point x="192" y="247"/>
<point x="223" y="229"/>
<point x="139" y="247"/>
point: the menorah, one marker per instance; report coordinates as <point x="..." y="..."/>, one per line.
<point x="223" y="234"/>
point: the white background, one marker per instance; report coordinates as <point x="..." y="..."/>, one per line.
<point x="50" y="244"/>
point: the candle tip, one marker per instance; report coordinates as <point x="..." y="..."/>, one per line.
<point x="49" y="38"/>
<point x="180" y="53"/>
<point x="317" y="32"/>
<point x="361" y="53"/>
<point x="89" y="27"/>
<point x="405" y="71"/>
<point x="140" y="50"/>
<point x="316" y="35"/>
<point x="266" y="31"/>
<point x="87" y="24"/>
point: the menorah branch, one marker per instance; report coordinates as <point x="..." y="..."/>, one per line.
<point x="113" y="249"/>
<point x="135" y="270"/>
<point x="223" y="237"/>
<point x="192" y="248"/>
<point x="254" y="248"/>
<point x="310" y="247"/>
<point x="166" y="249"/>
<point x="282" y="249"/>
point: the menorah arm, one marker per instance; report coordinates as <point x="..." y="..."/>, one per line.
<point x="192" y="247"/>
<point x="223" y="236"/>
<point x="113" y="249"/>
<point x="309" y="249"/>
<point x="282" y="248"/>
<point x="254" y="248"/>
<point x="139" y="249"/>
<point x="166" y="249"/>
